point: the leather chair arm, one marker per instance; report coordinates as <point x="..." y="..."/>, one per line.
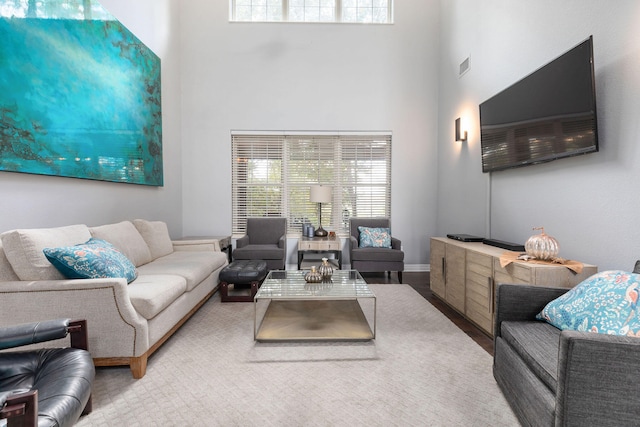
<point x="32" y="333"/>
<point x="37" y="332"/>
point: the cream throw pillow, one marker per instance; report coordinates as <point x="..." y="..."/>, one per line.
<point x="23" y="248"/>
<point x="156" y="234"/>
<point x="126" y="238"/>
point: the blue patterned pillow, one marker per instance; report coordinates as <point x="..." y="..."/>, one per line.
<point x="605" y="303"/>
<point x="374" y="237"/>
<point x="91" y="260"/>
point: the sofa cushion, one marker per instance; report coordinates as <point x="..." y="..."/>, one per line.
<point x="23" y="248"/>
<point x="193" y="266"/>
<point x="156" y="235"/>
<point x="537" y="344"/>
<point x="126" y="238"/>
<point x="265" y="251"/>
<point x="605" y="303"/>
<point x="92" y="260"/>
<point x="377" y="254"/>
<point x="152" y="293"/>
<point x="371" y="237"/>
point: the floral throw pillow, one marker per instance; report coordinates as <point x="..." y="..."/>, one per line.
<point x="374" y="237"/>
<point x="605" y="303"/>
<point x="91" y="260"/>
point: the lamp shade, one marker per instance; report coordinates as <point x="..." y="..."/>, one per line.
<point x="320" y="194"/>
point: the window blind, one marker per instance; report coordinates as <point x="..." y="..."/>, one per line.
<point x="348" y="11"/>
<point x="273" y="173"/>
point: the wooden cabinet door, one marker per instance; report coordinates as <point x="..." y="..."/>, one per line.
<point x="454" y="276"/>
<point x="479" y="295"/>
<point x="512" y="273"/>
<point x="437" y="268"/>
<point x="560" y="276"/>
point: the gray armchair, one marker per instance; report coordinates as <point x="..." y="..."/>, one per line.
<point x="266" y="239"/>
<point x="374" y="259"/>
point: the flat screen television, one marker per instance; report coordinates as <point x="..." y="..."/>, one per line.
<point x="548" y="115"/>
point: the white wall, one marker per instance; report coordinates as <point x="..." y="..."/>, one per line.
<point x="43" y="201"/>
<point x="588" y="203"/>
<point x="242" y="76"/>
<point x="218" y="76"/>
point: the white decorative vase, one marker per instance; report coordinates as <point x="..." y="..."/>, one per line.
<point x="325" y="268"/>
<point x="313" y="276"/>
<point x="542" y="246"/>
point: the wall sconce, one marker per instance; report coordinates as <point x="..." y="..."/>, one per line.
<point x="460" y="136"/>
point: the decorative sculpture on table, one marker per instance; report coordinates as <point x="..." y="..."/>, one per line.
<point x="325" y="269"/>
<point x="542" y="246"/>
<point x="313" y="276"/>
<point x="79" y="94"/>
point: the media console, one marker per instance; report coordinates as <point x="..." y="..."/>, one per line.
<point x="465" y="274"/>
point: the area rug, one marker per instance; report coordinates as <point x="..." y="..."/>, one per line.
<point x="421" y="370"/>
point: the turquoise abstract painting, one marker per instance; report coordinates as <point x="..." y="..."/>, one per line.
<point x="79" y="94"/>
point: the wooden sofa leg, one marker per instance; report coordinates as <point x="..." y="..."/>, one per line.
<point x="138" y="366"/>
<point x="399" y="276"/>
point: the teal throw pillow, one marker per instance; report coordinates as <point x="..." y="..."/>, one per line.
<point x="91" y="260"/>
<point x="374" y="237"/>
<point x="605" y="303"/>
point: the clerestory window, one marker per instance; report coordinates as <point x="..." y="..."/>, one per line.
<point x="345" y="11"/>
<point x="272" y="175"/>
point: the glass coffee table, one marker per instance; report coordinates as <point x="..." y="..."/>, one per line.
<point x="286" y="308"/>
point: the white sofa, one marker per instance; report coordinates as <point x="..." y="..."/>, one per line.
<point x="126" y="322"/>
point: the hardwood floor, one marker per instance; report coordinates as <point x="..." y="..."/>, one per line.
<point x="419" y="280"/>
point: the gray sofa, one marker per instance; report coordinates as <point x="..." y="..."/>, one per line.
<point x="561" y="378"/>
<point x="126" y="322"/>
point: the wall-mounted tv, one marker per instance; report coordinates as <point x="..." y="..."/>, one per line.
<point x="548" y="115"/>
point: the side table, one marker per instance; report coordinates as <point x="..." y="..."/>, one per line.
<point x="332" y="245"/>
<point x="222" y="243"/>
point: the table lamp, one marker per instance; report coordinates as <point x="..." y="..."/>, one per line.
<point x="320" y="194"/>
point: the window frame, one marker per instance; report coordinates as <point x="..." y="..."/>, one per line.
<point x="357" y="165"/>
<point x="338" y="13"/>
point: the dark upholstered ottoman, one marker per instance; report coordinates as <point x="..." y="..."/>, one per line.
<point x="242" y="272"/>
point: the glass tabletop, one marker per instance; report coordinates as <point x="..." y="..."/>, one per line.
<point x="290" y="284"/>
